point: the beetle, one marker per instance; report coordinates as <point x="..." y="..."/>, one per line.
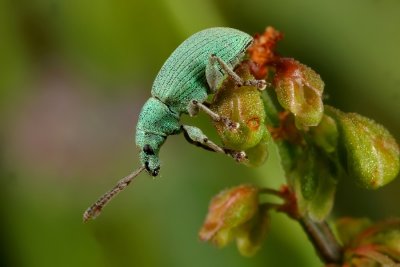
<point x="193" y="71"/>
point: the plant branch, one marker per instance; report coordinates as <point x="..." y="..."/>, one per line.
<point x="321" y="236"/>
<point x="319" y="233"/>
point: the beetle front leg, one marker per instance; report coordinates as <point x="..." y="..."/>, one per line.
<point x="195" y="136"/>
<point x="195" y="106"/>
<point x="213" y="75"/>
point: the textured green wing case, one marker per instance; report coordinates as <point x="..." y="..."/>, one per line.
<point x="182" y="77"/>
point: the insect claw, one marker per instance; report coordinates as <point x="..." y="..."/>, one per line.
<point x="261" y="85"/>
<point x="231" y="125"/>
<point x="238" y="156"/>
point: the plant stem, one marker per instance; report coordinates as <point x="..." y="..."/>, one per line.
<point x="323" y="240"/>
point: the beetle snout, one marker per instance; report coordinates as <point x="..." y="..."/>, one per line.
<point x="152" y="165"/>
<point x="155" y="172"/>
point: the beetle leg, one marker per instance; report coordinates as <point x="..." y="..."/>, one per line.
<point x="195" y="106"/>
<point x="214" y="75"/>
<point x="214" y="59"/>
<point x="196" y="137"/>
<point x="260" y="84"/>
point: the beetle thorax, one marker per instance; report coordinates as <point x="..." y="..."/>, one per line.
<point x="156" y="122"/>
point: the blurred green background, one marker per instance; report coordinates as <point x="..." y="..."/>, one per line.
<point x="73" y="77"/>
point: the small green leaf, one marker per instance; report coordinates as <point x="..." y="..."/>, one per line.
<point x="315" y="186"/>
<point x="288" y="154"/>
<point x="373" y="156"/>
<point x="309" y="179"/>
<point x="321" y="204"/>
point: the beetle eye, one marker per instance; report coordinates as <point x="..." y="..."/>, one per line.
<point x="148" y="150"/>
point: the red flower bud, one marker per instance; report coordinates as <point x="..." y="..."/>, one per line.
<point x="299" y="89"/>
<point x="227" y="211"/>
<point x="377" y="244"/>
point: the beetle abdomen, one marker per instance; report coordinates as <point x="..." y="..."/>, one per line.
<point x="182" y="77"/>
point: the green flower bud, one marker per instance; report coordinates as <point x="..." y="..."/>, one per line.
<point x="373" y="156"/>
<point x="227" y="211"/>
<point x="257" y="155"/>
<point x="222" y="238"/>
<point x="245" y="106"/>
<point x="299" y="89"/>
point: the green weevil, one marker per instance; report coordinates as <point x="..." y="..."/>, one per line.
<point x="194" y="70"/>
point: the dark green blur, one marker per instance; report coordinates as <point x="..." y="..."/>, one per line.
<point x="73" y="77"/>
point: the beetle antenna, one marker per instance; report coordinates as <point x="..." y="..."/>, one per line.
<point x="95" y="210"/>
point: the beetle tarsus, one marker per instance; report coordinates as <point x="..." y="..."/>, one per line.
<point x="260" y="84"/>
<point x="239" y="82"/>
<point x="238" y="156"/>
<point x="231" y="125"/>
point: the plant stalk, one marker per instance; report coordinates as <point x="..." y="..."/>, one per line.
<point x="325" y="243"/>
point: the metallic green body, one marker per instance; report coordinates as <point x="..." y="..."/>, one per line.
<point x="182" y="79"/>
